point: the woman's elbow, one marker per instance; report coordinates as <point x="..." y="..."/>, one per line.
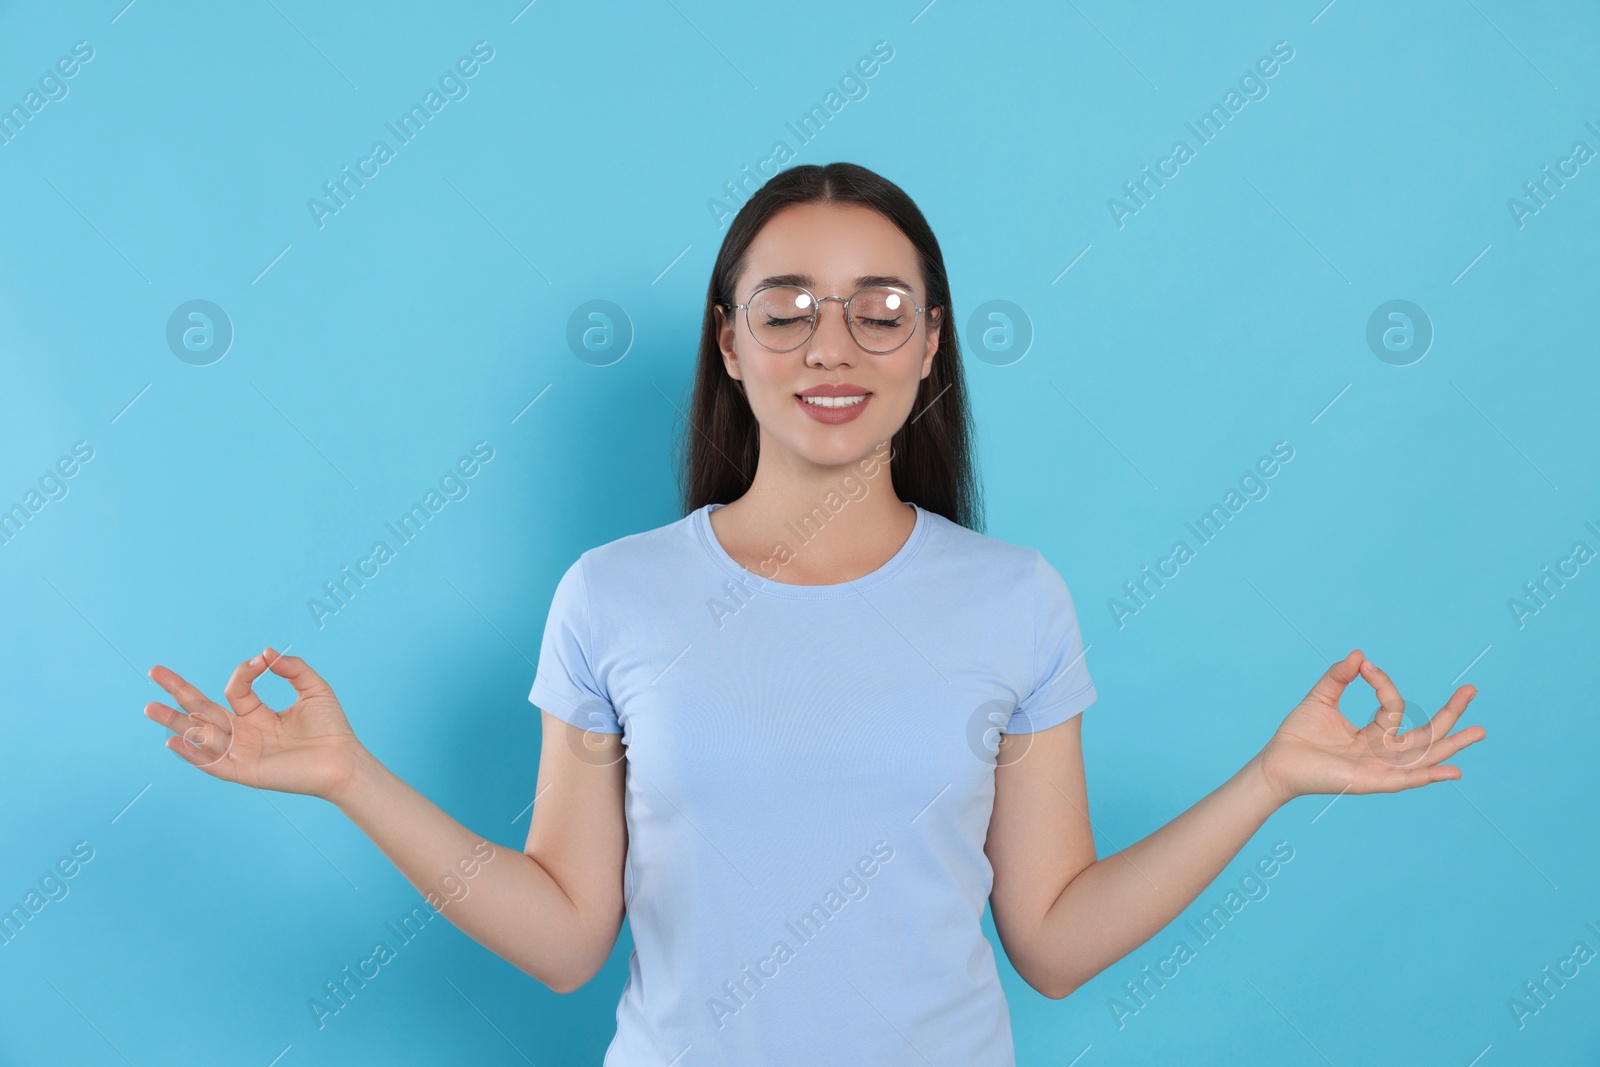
<point x="572" y="974"/>
<point x="1060" y="992"/>
<point x="565" y="981"/>
<point x="1054" y="990"/>
<point x="1051" y="986"/>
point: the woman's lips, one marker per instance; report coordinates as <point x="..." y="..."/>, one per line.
<point x="834" y="415"/>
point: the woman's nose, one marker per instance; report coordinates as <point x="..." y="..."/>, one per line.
<point x="831" y="343"/>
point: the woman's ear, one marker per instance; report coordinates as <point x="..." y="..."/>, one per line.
<point x="931" y="345"/>
<point x="730" y="361"/>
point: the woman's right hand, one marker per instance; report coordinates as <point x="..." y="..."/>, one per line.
<point x="306" y="748"/>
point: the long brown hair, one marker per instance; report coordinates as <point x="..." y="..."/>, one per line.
<point x="931" y="462"/>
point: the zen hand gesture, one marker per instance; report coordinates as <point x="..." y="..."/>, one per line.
<point x="307" y="748"/>
<point x="1318" y="750"/>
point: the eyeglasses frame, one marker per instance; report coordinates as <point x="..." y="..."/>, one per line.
<point x="816" y="315"/>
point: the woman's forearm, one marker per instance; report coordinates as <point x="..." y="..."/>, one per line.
<point x="1117" y="903"/>
<point x="500" y="897"/>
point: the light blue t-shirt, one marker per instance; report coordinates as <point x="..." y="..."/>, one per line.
<point x="810" y="774"/>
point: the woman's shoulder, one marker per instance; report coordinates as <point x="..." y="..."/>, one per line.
<point x="978" y="547"/>
<point x="648" y="549"/>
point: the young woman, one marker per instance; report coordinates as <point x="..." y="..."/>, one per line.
<point x="784" y="734"/>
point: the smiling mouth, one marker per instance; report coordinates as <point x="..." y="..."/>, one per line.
<point x="835" y="401"/>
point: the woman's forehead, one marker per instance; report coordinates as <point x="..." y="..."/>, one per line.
<point x="833" y="245"/>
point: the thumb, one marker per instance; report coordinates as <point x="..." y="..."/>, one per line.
<point x="1333" y="681"/>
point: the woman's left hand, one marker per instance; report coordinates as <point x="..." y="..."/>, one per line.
<point x="1318" y="750"/>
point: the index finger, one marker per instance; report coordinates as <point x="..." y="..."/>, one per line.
<point x="1392" y="704"/>
<point x="241" y="698"/>
<point x="298" y="673"/>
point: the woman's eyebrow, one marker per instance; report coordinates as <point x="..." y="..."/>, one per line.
<point x="808" y="281"/>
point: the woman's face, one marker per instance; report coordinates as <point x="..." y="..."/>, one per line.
<point x="831" y="250"/>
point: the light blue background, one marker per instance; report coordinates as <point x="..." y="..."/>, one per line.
<point x="1228" y="314"/>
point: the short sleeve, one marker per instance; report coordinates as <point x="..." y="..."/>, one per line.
<point x="1061" y="687"/>
<point x="564" y="683"/>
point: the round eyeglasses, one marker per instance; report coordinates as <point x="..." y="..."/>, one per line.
<point x="783" y="317"/>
